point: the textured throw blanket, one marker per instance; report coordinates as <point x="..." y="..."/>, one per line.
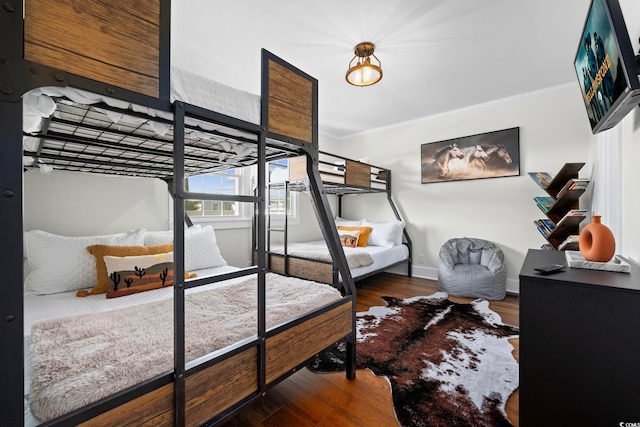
<point x="356" y="258"/>
<point x="81" y="359"/>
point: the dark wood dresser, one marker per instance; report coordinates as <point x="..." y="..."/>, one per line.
<point x="579" y="345"/>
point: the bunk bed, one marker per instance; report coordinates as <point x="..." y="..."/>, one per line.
<point x="386" y="244"/>
<point x="87" y="87"/>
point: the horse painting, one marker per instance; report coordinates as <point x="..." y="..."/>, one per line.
<point x="500" y="151"/>
<point x="488" y="155"/>
<point x="443" y="157"/>
<point x="473" y="161"/>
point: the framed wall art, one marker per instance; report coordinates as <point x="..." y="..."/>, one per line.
<point x="487" y="155"/>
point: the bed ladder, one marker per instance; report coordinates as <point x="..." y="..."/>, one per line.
<point x="284" y="186"/>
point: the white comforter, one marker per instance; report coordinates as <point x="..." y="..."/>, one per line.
<point x="381" y="256"/>
<point x="77" y="360"/>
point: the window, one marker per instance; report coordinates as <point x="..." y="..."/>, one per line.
<point x="239" y="181"/>
<point x="277" y="197"/>
<point x="225" y="182"/>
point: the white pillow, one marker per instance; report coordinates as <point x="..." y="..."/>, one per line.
<point x="153" y="238"/>
<point x="200" y="246"/>
<point x="386" y="234"/>
<point x="63" y="264"/>
<point x="347" y="222"/>
<point x="201" y="250"/>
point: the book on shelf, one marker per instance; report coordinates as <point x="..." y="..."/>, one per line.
<point x="544" y="202"/>
<point x="573" y="184"/>
<point x="541" y="228"/>
<point x="546" y="224"/>
<point x="570" y="242"/>
<point x="582" y="212"/>
<point x="543" y="179"/>
<point x="570" y="216"/>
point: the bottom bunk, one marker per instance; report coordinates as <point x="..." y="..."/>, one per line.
<point x="369" y="248"/>
<point x="311" y="260"/>
<point x="87" y="348"/>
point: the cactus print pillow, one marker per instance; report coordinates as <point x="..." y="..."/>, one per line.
<point x="132" y="274"/>
<point x="100" y="251"/>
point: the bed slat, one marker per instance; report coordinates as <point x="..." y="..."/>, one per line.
<point x="211" y="391"/>
<point x="357" y="173"/>
<point x="304" y="268"/>
<point x="289" y="348"/>
<point x="154" y="408"/>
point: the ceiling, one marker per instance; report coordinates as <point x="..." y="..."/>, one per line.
<point x="437" y="55"/>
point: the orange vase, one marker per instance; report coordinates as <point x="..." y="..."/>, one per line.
<point x="596" y="241"/>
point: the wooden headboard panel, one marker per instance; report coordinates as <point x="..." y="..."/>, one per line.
<point x="115" y="42"/>
<point x="291" y="100"/>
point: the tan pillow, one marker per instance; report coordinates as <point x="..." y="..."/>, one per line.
<point x="132" y="274"/>
<point x="349" y="238"/>
<point x="100" y="251"/>
<point x="364" y="233"/>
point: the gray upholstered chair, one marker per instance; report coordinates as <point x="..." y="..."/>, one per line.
<point x="472" y="268"/>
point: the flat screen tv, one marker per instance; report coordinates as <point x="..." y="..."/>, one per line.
<point x="606" y="66"/>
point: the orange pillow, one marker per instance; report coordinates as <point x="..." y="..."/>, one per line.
<point x="364" y="233"/>
<point x="100" y="251"/>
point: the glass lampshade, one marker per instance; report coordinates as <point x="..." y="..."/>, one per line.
<point x="364" y="74"/>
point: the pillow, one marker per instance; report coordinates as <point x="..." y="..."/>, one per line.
<point x="386" y="234"/>
<point x="101" y="251"/>
<point x="132" y="274"/>
<point x="364" y="233"/>
<point x="349" y="238"/>
<point x="347" y="222"/>
<point x="152" y="238"/>
<point x="62" y="264"/>
<point x="200" y="246"/>
<point x="201" y="250"/>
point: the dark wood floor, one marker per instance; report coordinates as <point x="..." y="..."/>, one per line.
<point x="308" y="399"/>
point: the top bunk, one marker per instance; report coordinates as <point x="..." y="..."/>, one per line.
<point x="71" y="129"/>
<point x="100" y="96"/>
<point x="339" y="175"/>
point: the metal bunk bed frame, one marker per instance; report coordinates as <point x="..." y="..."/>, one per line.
<point x="360" y="182"/>
<point x="22" y="70"/>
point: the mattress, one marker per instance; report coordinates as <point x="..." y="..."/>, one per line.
<point x="43" y="307"/>
<point x="65" y="349"/>
<point x="382" y="256"/>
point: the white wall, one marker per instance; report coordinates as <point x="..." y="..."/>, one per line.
<point x="74" y="204"/>
<point x="553" y="130"/>
<point x="631" y="151"/>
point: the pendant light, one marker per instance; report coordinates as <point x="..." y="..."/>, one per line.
<point x="362" y="72"/>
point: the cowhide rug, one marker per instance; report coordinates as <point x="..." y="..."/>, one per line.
<point x="448" y="364"/>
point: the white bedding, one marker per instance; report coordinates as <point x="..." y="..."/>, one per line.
<point x="283" y="300"/>
<point x="53" y="306"/>
<point x="185" y="86"/>
<point x="382" y="256"/>
<point x="42" y="307"/>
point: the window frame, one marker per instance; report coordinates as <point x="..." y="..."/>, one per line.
<point x="247" y="181"/>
